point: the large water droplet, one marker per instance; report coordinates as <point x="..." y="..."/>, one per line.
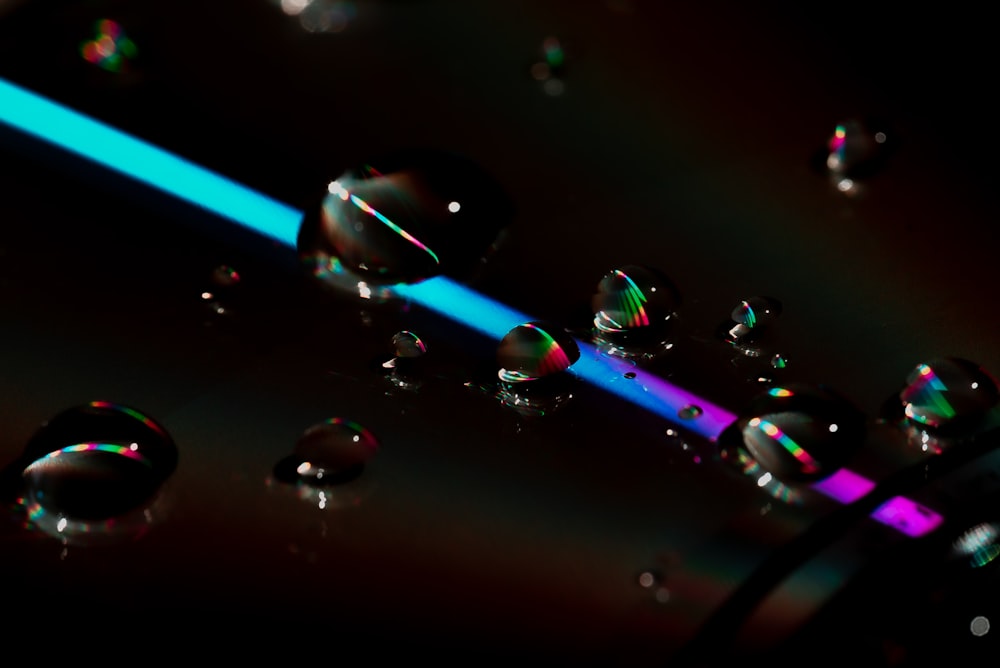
<point x="948" y="393"/>
<point x="93" y="470"/>
<point x="634" y="312"/>
<point x="797" y="434"/>
<point x="533" y="359"/>
<point x="402" y="219"/>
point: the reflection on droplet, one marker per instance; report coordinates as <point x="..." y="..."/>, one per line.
<point x="634" y="312"/>
<point x="948" y="393"/>
<point x="749" y="319"/>
<point x="794" y="434"/>
<point x="110" y="49"/>
<point x="980" y="544"/>
<point x="392" y="221"/>
<point x="690" y="412"/>
<point x="92" y="472"/>
<point x="533" y="360"/>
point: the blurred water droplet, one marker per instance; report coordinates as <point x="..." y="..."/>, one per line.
<point x="979" y="545"/>
<point x="395" y="220"/>
<point x="550" y="70"/>
<point x="533" y="359"/>
<point x="220" y="299"/>
<point x="110" y="48"/>
<point x="794" y="434"/>
<point x="91" y="473"/>
<point x="322" y="16"/>
<point x="690" y="412"/>
<point x="634" y="312"/>
<point x="856" y="151"/>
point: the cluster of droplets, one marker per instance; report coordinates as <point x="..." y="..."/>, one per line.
<point x="92" y="474"/>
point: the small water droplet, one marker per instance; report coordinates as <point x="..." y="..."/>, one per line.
<point x="634" y="312"/>
<point x="630" y="375"/>
<point x="405" y="368"/>
<point x="778" y="362"/>
<point x="329" y="464"/>
<point x="690" y="412"/>
<point x="948" y="394"/>
<point x="321" y="16"/>
<point x="749" y="319"/>
<point x="533" y="359"/>
<point x="391" y="221"/>
<point x="220" y="298"/>
<point x="795" y="433"/>
<point x="92" y="472"/>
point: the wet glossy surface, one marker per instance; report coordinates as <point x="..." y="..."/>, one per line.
<point x="682" y="142"/>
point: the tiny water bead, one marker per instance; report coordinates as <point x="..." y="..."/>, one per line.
<point x="405" y="368"/>
<point x="749" y="320"/>
<point x="533" y="359"/>
<point x="110" y="49"/>
<point x="93" y="470"/>
<point x="220" y="296"/>
<point x="948" y="394"/>
<point x="796" y="433"/>
<point x="634" y="310"/>
<point x="402" y="219"/>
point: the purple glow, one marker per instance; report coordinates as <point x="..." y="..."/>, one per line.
<point x="844" y="486"/>
<point x="907" y="516"/>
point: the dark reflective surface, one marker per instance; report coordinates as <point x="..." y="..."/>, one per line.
<point x="678" y="139"/>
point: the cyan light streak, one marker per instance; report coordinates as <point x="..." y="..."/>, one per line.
<point x="54" y="123"/>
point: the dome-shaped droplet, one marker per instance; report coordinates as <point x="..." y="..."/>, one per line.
<point x="634" y="309"/>
<point x="948" y="392"/>
<point x="535" y="350"/>
<point x="332" y="452"/>
<point x="533" y="359"/>
<point x="91" y="466"/>
<point x="799" y="433"/>
<point x="749" y="319"/>
<point x="403" y="219"/>
<point x="408" y="344"/>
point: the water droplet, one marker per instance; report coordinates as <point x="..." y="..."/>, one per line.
<point x="533" y="360"/>
<point x="402" y="219"/>
<point x="948" y="394"/>
<point x="224" y="276"/>
<point x="794" y="434"/>
<point x="220" y="297"/>
<point x="550" y="70"/>
<point x="854" y="152"/>
<point x="778" y="362"/>
<point x="92" y="472"/>
<point x="630" y="375"/>
<point x="634" y="312"/>
<point x="329" y="16"/>
<point x="405" y="368"/>
<point x="690" y="412"/>
<point x="329" y="465"/>
<point x="110" y="49"/>
<point x="749" y="319"/>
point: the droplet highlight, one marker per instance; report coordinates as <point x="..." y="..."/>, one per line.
<point x="110" y="49"/>
<point x="402" y="219"/>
